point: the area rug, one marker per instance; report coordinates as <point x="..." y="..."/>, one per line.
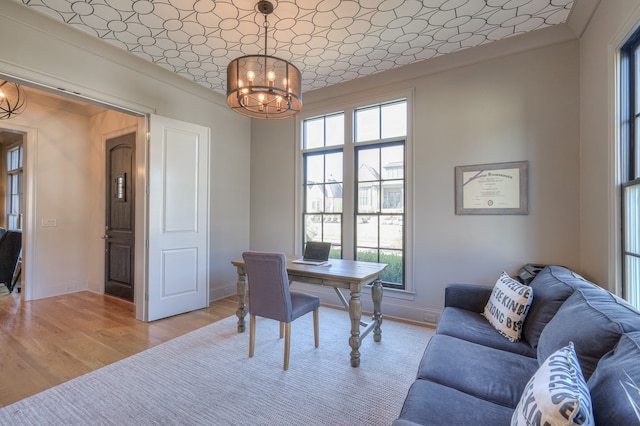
<point x="206" y="378"/>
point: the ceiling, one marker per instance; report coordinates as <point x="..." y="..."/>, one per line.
<point x="330" y="41"/>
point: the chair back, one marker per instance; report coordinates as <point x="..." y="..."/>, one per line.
<point x="268" y="282"/>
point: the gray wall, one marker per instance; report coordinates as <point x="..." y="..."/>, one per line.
<point x="467" y="110"/>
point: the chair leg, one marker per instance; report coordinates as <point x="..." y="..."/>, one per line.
<point x="281" y="329"/>
<point x="316" y="330"/>
<point x="252" y="334"/>
<point x="287" y="344"/>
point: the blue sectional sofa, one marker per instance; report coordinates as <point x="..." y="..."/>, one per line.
<point x="472" y="375"/>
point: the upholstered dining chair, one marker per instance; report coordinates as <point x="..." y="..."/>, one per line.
<point x="270" y="297"/>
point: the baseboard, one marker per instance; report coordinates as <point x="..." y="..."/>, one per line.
<point x="222" y="292"/>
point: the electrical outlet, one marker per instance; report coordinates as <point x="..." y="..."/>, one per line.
<point x="430" y="317"/>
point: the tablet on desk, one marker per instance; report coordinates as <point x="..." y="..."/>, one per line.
<point x="315" y="253"/>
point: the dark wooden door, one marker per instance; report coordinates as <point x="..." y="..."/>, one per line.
<point x="119" y="227"/>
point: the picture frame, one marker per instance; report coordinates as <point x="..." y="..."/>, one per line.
<point x="492" y="189"/>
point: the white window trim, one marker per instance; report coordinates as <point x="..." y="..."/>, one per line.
<point x="348" y="179"/>
<point x="614" y="142"/>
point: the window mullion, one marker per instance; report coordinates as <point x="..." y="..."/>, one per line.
<point x="349" y="189"/>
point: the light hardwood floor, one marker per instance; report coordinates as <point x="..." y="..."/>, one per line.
<point x="46" y="342"/>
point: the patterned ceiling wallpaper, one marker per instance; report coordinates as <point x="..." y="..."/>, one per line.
<point x="330" y="41"/>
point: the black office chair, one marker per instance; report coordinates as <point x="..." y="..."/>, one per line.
<point x="10" y="248"/>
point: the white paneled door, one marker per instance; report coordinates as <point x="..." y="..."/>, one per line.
<point x="178" y="218"/>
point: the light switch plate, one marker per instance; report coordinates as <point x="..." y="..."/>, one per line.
<point x="49" y="222"/>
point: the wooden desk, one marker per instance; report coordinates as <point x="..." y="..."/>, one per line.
<point x="342" y="274"/>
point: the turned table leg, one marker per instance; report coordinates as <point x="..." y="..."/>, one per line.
<point x="355" y="313"/>
<point x="376" y="295"/>
<point x="242" y="292"/>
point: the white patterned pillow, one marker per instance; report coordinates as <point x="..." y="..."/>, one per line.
<point x="556" y="394"/>
<point x="508" y="306"/>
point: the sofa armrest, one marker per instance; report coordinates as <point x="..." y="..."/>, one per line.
<point x="471" y="297"/>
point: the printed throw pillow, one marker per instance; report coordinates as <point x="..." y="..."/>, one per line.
<point x="508" y="306"/>
<point x="557" y="394"/>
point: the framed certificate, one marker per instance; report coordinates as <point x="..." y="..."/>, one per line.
<point x="498" y="188"/>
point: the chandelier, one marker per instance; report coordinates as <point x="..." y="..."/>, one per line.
<point x="13" y="99"/>
<point x="262" y="86"/>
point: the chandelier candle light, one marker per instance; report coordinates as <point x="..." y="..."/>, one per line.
<point x="263" y="86"/>
<point x="13" y="99"/>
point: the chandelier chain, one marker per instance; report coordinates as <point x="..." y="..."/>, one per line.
<point x="266" y="28"/>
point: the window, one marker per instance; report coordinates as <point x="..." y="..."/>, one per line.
<point x="354" y="184"/>
<point x="14" y="187"/>
<point x="630" y="162"/>
<point x="323" y="181"/>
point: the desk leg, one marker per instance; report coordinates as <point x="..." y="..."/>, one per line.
<point x="376" y="295"/>
<point x="355" y="313"/>
<point x="242" y="292"/>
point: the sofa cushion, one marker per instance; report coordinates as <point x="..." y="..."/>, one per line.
<point x="508" y="306"/>
<point x="615" y="385"/>
<point x="556" y="394"/>
<point x="487" y="373"/>
<point x="429" y="403"/>
<point x="473" y="327"/>
<point x="594" y="320"/>
<point x="551" y="287"/>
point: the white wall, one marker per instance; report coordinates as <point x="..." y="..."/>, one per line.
<point x="49" y="53"/>
<point x="612" y="23"/>
<point x="56" y="157"/>
<point x="468" y="110"/>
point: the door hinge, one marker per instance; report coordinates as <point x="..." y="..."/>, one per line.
<point x="146" y="243"/>
<point x="146" y="297"/>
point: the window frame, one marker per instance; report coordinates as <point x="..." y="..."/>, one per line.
<point x="18" y="174"/>
<point x="348" y="107"/>
<point x="379" y="144"/>
<point x="310" y="153"/>
<point x="629" y="161"/>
